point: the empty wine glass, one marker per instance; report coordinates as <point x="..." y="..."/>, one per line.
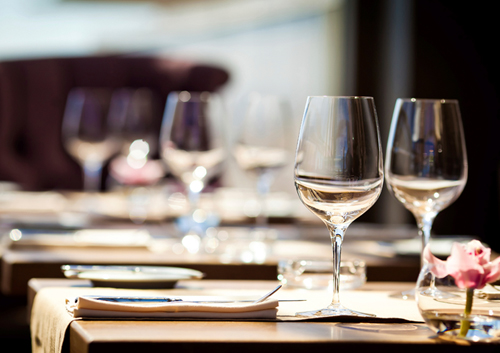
<point x="426" y="161"/>
<point x="338" y="171"/>
<point x="261" y="149"/>
<point x="132" y="112"/>
<point x="87" y="134"/>
<point x="133" y="115"/>
<point x="193" y="148"/>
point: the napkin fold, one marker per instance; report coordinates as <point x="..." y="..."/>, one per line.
<point x="88" y="307"/>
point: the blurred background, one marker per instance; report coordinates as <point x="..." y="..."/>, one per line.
<point x="386" y="49"/>
<point x="293" y="48"/>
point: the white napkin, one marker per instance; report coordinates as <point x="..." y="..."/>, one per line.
<point x="89" y="307"/>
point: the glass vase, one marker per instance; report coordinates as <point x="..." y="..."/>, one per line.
<point x="454" y="313"/>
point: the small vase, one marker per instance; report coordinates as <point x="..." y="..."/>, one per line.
<point x="443" y="307"/>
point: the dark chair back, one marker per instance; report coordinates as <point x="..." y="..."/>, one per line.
<point x="33" y="96"/>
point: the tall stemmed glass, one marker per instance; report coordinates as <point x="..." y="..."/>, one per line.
<point x="193" y="147"/>
<point x="87" y="134"/>
<point x="338" y="171"/>
<point x="133" y="113"/>
<point x="426" y="161"/>
<point x="261" y="148"/>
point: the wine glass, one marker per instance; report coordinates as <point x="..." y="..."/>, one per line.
<point x="261" y="149"/>
<point x="193" y="148"/>
<point x="426" y="161"/>
<point x="87" y="134"/>
<point x="132" y="113"/>
<point x="338" y="171"/>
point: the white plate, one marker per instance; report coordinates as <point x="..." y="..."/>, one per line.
<point x="131" y="276"/>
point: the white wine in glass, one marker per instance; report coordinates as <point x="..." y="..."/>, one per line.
<point x="338" y="171"/>
<point x="426" y="161"/>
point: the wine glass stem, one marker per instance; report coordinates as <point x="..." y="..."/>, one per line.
<point x="424" y="224"/>
<point x="263" y="187"/>
<point x="193" y="199"/>
<point x="92" y="171"/>
<point x="337" y="236"/>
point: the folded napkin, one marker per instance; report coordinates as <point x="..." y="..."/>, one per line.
<point x="88" y="307"/>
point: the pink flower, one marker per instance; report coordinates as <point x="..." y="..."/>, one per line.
<point x="469" y="265"/>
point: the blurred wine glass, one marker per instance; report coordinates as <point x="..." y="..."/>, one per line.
<point x="338" y="172"/>
<point x="193" y="148"/>
<point x="87" y="133"/>
<point x="261" y="148"/>
<point x="426" y="162"/>
<point x="133" y="114"/>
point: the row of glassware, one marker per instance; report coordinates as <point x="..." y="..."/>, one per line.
<point x="190" y="138"/>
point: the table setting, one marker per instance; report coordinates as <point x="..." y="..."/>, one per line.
<point x="338" y="171"/>
<point x="280" y="306"/>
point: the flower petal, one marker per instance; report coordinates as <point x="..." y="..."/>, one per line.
<point x="437" y="266"/>
<point x="479" y="251"/>
<point x="462" y="265"/>
<point x="472" y="278"/>
<point x="493" y="271"/>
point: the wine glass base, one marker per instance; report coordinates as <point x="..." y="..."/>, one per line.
<point x="337" y="310"/>
<point x="187" y="223"/>
<point x="405" y="295"/>
<point x="438" y="294"/>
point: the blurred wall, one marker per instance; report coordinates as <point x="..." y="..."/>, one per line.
<point x="449" y="52"/>
<point x="381" y="48"/>
<point x="292" y="59"/>
<point x="290" y="48"/>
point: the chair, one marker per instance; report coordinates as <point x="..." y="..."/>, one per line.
<point x="33" y="97"/>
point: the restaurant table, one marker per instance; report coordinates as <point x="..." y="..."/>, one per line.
<point x="22" y="260"/>
<point x="402" y="329"/>
<point x="20" y="263"/>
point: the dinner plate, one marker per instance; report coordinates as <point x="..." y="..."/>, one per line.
<point x="131" y="276"/>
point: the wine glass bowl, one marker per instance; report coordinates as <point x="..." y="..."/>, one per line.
<point x="133" y="112"/>
<point x="423" y="196"/>
<point x="426" y="161"/>
<point x="191" y="138"/>
<point x="338" y="171"/>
